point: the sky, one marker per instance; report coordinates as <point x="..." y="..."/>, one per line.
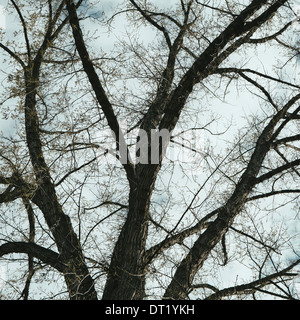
<point x="2" y="17"/>
<point x="6" y="126"/>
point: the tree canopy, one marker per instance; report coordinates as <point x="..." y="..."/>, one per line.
<point x="150" y="149"/>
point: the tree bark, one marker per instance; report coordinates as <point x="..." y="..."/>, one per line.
<point x="126" y="279"/>
<point x="79" y="282"/>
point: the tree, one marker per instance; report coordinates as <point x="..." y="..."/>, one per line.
<point x="96" y="209"/>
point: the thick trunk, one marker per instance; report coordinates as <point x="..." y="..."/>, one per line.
<point x="126" y="279"/>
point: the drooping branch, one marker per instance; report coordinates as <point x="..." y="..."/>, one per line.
<point x="273" y="36"/>
<point x="45" y="255"/>
<point x="13" y="55"/>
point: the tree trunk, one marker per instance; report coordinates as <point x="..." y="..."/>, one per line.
<point x="126" y="278"/>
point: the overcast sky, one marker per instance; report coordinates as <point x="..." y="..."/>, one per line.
<point x="2" y="17"/>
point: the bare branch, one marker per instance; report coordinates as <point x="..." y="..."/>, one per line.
<point x="178" y="238"/>
<point x="273" y="36"/>
<point x="153" y="22"/>
<point x="73" y="171"/>
<point x="253" y="286"/>
<point x="13" y="55"/>
<point x="278" y="170"/>
<point x="273" y="193"/>
<point x="24" y="28"/>
<point x="98" y="89"/>
<point x="243" y="71"/>
<point x="46" y="255"/>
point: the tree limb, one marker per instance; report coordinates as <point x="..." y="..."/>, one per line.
<point x="13" y="55"/>
<point x="197" y="72"/>
<point x="276" y="171"/>
<point x="24" y="28"/>
<point x="98" y="89"/>
<point x="253" y="286"/>
<point x="273" y="193"/>
<point x="46" y="255"/>
<point x="153" y="22"/>
<point x="241" y="70"/>
<point x="184" y="275"/>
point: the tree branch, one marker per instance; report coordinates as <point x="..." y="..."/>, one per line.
<point x="153" y="22"/>
<point x="73" y="171"/>
<point x="285" y="140"/>
<point x="276" y="171"/>
<point x="253" y="286"/>
<point x="252" y="238"/>
<point x="241" y="71"/>
<point x="46" y="255"/>
<point x="157" y="107"/>
<point x="197" y="72"/>
<point x="273" y="36"/>
<point x="183" y="278"/>
<point x="273" y="193"/>
<point x="98" y="89"/>
<point x="24" y="28"/>
<point x="13" y="55"/>
<point x="178" y="238"/>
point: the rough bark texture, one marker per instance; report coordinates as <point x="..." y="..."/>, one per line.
<point x="126" y="278"/>
<point x="129" y="260"/>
